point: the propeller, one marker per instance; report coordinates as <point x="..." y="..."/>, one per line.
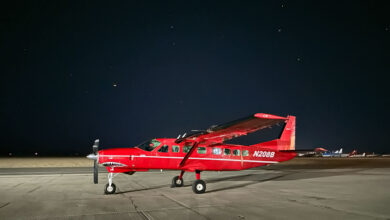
<point x="95" y="156"/>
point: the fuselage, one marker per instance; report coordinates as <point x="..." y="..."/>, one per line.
<point x="164" y="153"/>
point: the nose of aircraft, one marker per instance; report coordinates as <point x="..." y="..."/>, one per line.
<point x="92" y="156"/>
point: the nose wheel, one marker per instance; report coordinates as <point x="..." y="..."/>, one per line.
<point x="110" y="189"/>
<point x="110" y="186"/>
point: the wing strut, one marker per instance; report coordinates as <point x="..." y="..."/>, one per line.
<point x="189" y="153"/>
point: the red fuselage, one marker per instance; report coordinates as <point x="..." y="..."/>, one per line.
<point x="166" y="154"/>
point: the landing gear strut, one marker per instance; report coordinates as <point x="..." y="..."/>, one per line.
<point x="177" y="181"/>
<point x="110" y="186"/>
<point x="199" y="186"/>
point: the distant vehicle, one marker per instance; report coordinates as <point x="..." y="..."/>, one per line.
<point x="336" y="153"/>
<point x="201" y="151"/>
<point x="354" y="153"/>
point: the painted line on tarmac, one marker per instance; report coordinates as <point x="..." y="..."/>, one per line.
<point x="5" y="205"/>
<point x="146" y="215"/>
<point x="39" y="175"/>
<point x="183" y="205"/>
<point x="34" y="189"/>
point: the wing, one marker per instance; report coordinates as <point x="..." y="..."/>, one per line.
<point x="233" y="129"/>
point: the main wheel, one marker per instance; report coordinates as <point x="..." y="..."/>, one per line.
<point x="176" y="182"/>
<point x="199" y="186"/>
<point x="110" y="189"/>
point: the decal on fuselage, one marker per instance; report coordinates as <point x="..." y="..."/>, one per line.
<point x="116" y="164"/>
<point x="260" y="153"/>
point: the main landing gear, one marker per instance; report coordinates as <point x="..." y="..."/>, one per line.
<point x="198" y="186"/>
<point x="110" y="186"/>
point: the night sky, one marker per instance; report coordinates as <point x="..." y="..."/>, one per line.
<point x="128" y="71"/>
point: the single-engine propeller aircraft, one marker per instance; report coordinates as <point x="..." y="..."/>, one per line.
<point x="199" y="151"/>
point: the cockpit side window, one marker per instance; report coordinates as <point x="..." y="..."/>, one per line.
<point x="164" y="148"/>
<point x="155" y="143"/>
<point x="149" y="145"/>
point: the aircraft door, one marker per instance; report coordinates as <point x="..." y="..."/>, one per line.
<point x="133" y="160"/>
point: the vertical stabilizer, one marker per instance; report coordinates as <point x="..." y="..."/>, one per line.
<point x="287" y="137"/>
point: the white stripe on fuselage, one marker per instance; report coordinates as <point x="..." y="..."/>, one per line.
<point x="192" y="158"/>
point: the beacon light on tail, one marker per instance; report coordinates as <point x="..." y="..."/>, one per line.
<point x="199" y="151"/>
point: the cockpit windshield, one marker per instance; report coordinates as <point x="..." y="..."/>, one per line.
<point x="149" y="145"/>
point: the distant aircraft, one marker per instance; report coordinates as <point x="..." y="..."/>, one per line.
<point x="201" y="151"/>
<point x="314" y="153"/>
<point x="354" y="153"/>
<point x="336" y="153"/>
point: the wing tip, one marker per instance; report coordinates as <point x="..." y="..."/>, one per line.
<point x="269" y="116"/>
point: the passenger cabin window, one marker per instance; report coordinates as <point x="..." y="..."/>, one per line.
<point x="201" y="150"/>
<point x="236" y="152"/>
<point x="186" y="148"/>
<point x="149" y="145"/>
<point x="164" y="149"/>
<point x="217" y="150"/>
<point x="175" y="148"/>
<point x="227" y="151"/>
<point x="245" y="153"/>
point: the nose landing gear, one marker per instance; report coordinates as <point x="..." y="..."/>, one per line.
<point x="110" y="186"/>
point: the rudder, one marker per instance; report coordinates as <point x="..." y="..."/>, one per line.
<point x="287" y="138"/>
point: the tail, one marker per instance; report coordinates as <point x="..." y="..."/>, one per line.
<point x="286" y="141"/>
<point x="287" y="138"/>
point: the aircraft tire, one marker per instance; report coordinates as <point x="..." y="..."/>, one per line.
<point x="108" y="189"/>
<point x="176" y="182"/>
<point x="199" y="186"/>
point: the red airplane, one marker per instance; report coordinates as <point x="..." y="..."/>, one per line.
<point x="201" y="151"/>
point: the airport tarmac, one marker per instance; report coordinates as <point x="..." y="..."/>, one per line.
<point x="273" y="192"/>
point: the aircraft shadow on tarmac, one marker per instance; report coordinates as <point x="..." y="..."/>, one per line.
<point x="255" y="178"/>
<point x="282" y="176"/>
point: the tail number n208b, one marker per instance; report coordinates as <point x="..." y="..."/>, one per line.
<point x="263" y="153"/>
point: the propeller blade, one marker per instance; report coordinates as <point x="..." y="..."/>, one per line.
<point x="95" y="156"/>
<point x="95" y="146"/>
<point x="95" y="172"/>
